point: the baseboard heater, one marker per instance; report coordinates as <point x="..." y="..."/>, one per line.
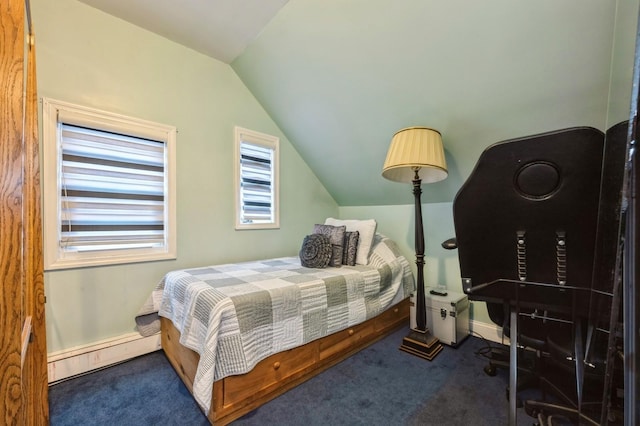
<point x="79" y="360"/>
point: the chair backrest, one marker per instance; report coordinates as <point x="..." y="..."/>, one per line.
<point x="609" y="233"/>
<point x="540" y="210"/>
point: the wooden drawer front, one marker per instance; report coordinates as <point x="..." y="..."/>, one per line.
<point x="268" y="372"/>
<point x="341" y="340"/>
<point x="393" y="316"/>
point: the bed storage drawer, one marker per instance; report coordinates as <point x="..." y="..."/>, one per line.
<point x="269" y="372"/>
<point x="235" y="396"/>
<point x="338" y="342"/>
<point x="393" y="317"/>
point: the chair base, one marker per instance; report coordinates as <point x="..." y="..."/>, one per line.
<point x="422" y="344"/>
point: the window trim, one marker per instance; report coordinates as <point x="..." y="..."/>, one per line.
<point x="55" y="112"/>
<point x="264" y="140"/>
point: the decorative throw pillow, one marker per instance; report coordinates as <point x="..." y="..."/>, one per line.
<point x="316" y="251"/>
<point x="367" y="230"/>
<point x="336" y="236"/>
<point x="350" y="248"/>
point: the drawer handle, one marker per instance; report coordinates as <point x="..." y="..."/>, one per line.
<point x="351" y="331"/>
<point x="276" y="365"/>
<point x="395" y="311"/>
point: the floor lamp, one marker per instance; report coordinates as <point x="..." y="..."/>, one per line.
<point x="416" y="156"/>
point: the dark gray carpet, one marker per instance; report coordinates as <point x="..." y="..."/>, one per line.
<point x="381" y="385"/>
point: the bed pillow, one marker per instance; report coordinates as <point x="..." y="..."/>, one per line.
<point x="350" y="248"/>
<point x="336" y="237"/>
<point x="316" y="251"/>
<point x="366" y="229"/>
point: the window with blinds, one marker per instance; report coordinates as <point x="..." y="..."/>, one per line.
<point x="112" y="191"/>
<point x="256" y="180"/>
<point x="108" y="188"/>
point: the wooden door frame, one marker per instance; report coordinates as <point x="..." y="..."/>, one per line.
<point x="23" y="354"/>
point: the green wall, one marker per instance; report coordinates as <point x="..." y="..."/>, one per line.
<point x="90" y="58"/>
<point x="398" y="222"/>
<point x="441" y="266"/>
<point x="622" y="61"/>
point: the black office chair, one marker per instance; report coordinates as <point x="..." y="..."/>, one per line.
<point x="536" y="226"/>
<point x="595" y="401"/>
<point x="532" y="343"/>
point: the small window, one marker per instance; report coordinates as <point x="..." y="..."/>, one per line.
<point x="109" y="188"/>
<point x="256" y="180"/>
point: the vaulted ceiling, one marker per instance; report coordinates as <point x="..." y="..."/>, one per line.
<point x="341" y="77"/>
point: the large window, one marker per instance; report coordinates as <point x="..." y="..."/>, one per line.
<point x="109" y="188"/>
<point x="256" y="180"/>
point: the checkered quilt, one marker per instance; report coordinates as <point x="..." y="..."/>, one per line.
<point x="235" y="315"/>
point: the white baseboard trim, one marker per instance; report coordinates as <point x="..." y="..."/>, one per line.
<point x="82" y="359"/>
<point x="490" y="332"/>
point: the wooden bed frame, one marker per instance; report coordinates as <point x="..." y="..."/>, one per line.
<point x="236" y="396"/>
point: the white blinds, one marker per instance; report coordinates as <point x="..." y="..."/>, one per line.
<point x="257" y="183"/>
<point x="112" y="191"/>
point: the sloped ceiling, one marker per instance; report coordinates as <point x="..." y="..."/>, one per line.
<point x="221" y="29"/>
<point x="341" y="77"/>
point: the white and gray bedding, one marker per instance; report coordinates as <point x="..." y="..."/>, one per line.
<point x="235" y="315"/>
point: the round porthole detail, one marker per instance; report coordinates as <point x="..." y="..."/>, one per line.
<point x="537" y="180"/>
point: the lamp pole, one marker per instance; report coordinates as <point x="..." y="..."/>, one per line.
<point x="420" y="342"/>
<point x="421" y="309"/>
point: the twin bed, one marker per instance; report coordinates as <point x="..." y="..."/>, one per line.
<point x="241" y="334"/>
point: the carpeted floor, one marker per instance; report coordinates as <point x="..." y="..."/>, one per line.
<point x="381" y="385"/>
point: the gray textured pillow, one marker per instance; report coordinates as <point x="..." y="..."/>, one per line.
<point x="316" y="251"/>
<point x="350" y="248"/>
<point x="336" y="237"/>
<point x="367" y="230"/>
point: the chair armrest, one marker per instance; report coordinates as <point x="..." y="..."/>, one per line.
<point x="450" y="244"/>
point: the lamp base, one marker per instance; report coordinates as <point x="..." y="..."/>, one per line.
<point x="422" y="344"/>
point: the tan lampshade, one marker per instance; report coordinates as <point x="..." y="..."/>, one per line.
<point x="416" y="148"/>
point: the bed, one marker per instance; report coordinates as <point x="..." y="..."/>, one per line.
<point x="241" y="334"/>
